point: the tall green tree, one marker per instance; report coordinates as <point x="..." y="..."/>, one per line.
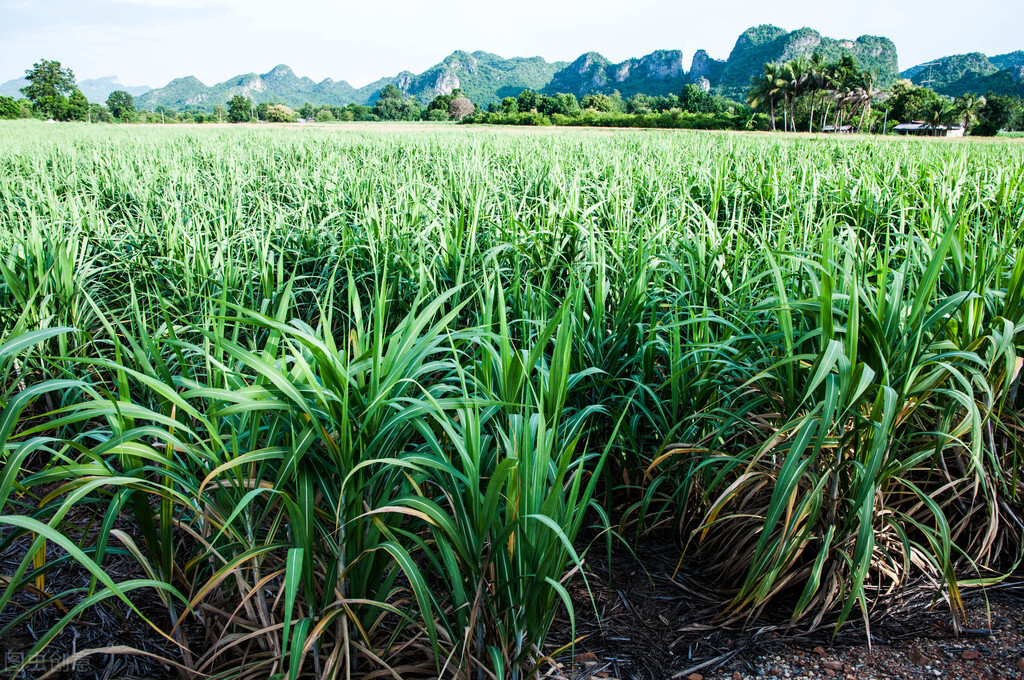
<point x="562" y="103"/>
<point x="389" y="103"/>
<point x="910" y="102"/>
<point x="279" y="113"/>
<point x="811" y="82"/>
<point x="939" y="113"/>
<point x="390" y="91"/>
<point x="239" y="109"/>
<point x="640" y="104"/>
<point x="766" y="89"/>
<point x="77" y="107"/>
<point x="392" y="106"/>
<point x="816" y="81"/>
<point x="529" y="100"/>
<point x="968" y="106"/>
<point x="49" y="87"/>
<point x="121" y="105"/>
<point x="866" y="92"/>
<point x="795" y="74"/>
<point x="845" y="76"/>
<point x="696" y="100"/>
<point x="510" y="105"/>
<point x="602" y="102"/>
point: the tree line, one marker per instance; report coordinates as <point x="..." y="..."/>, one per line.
<point x="692" y="107"/>
<point x="51" y="94"/>
<point x="814" y="95"/>
<point x="803" y="94"/>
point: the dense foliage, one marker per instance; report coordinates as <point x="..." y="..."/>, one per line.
<point x="837" y="90"/>
<point x="1009" y="60"/>
<point x="326" y="114"/>
<point x="1007" y="83"/>
<point x="393" y="105"/>
<point x="11" y="108"/>
<point x="52" y="91"/>
<point x="278" y="113"/>
<point x="692" y="109"/>
<point x="844" y="95"/>
<point x="121" y="105"/>
<point x="972" y="73"/>
<point x="943" y="72"/>
<point x="481" y="76"/>
<point x="773" y="45"/>
<point x="677" y="119"/>
<point x="345" y="400"/>
<point x="1000" y="113"/>
<point x="240" y="109"/>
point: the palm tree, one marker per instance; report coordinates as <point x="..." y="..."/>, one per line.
<point x="816" y="81"/>
<point x="795" y="72"/>
<point x="845" y="79"/>
<point x="867" y="91"/>
<point x="765" y="89"/>
<point x="939" y="113"/>
<point x="831" y="84"/>
<point x="784" y="77"/>
<point x="843" y="94"/>
<point x="837" y="92"/>
<point x="967" y="108"/>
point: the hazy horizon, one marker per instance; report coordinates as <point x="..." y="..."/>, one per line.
<point x="151" y="42"/>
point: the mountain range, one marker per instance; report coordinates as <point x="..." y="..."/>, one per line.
<point x="487" y="77"/>
<point x="973" y="73"/>
<point x="94" y="89"/>
<point x="484" y="77"/>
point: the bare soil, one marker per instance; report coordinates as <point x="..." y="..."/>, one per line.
<point x="655" y="622"/>
<point x="650" y="619"/>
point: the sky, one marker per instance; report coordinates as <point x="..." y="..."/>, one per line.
<point x="149" y="42"/>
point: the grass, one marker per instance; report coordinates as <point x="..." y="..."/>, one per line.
<point x="349" y="401"/>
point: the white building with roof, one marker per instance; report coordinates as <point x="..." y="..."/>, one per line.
<point x="923" y="129"/>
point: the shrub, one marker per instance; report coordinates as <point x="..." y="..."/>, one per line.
<point x="279" y="113"/>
